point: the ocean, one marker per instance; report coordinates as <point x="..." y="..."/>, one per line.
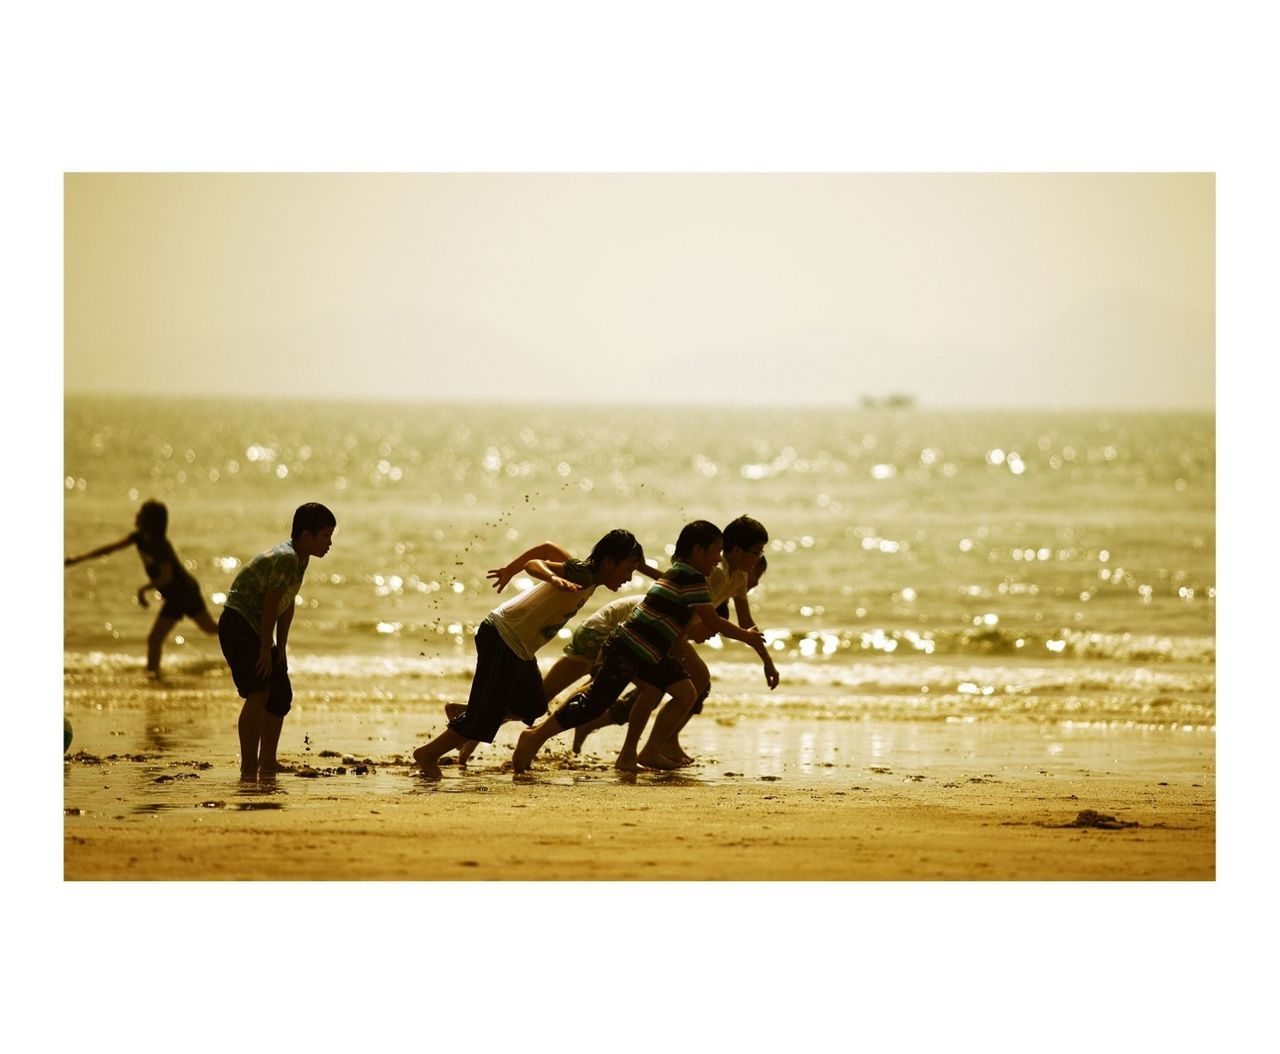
<point x="941" y="566"/>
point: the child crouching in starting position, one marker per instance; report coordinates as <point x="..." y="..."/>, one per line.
<point x="507" y="680"/>
<point x="684" y="653"/>
<point x="640" y="651"/>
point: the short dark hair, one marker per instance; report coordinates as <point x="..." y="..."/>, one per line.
<point x="312" y="517"/>
<point x="761" y="565"/>
<point x="744" y="533"/>
<point x="153" y="517"/>
<point x="617" y="545"/>
<point x="699" y="532"/>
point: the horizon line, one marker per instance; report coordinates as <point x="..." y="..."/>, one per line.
<point x="854" y="404"/>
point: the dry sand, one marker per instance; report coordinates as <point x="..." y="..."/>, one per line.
<point x="769" y="800"/>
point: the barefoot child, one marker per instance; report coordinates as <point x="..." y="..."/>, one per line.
<point x="733" y="578"/>
<point x="507" y="680"/>
<point x="620" y="712"/>
<point x="165" y="574"/>
<point x="640" y="651"/>
<point x="260" y="605"/>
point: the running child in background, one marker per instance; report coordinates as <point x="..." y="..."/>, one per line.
<point x="259" y="608"/>
<point x="639" y="651"/>
<point x="507" y="680"/>
<point x="620" y="712"/>
<point x="165" y="574"/>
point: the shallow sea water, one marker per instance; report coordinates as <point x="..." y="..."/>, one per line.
<point x="993" y="585"/>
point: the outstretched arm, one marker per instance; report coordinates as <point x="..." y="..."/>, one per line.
<point x="123" y="543"/>
<point x="745" y="618"/>
<point x="546" y="551"/>
<point x="749" y="635"/>
<point x="551" y="571"/>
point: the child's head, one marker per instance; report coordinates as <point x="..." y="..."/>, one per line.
<point x="153" y="518"/>
<point x="615" y="557"/>
<point x="753" y="580"/>
<point x="313" y="526"/>
<point x="744" y="542"/>
<point x="699" y="545"/>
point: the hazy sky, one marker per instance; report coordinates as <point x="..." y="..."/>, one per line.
<point x="962" y="290"/>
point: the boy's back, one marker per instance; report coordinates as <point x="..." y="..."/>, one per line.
<point x="665" y="612"/>
<point x="278" y="568"/>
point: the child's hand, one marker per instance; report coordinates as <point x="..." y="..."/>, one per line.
<point x="501" y="577"/>
<point x="771" y="675"/>
<point x="263" y="665"/>
<point x="142" y="596"/>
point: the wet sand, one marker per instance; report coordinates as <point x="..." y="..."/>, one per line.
<point x="151" y="792"/>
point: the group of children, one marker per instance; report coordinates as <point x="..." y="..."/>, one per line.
<point x="643" y="641"/>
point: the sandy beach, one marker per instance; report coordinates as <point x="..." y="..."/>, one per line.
<point x="152" y="794"/>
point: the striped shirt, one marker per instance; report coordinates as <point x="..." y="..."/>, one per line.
<point x="665" y="611"/>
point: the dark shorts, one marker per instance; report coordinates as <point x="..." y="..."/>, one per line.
<point x="240" y="646"/>
<point x="187" y="602"/>
<point x="619" y="667"/>
<point x="503" y="684"/>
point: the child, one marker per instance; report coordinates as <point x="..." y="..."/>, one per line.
<point x="640" y="651"/>
<point x="744" y="542"/>
<point x="260" y="604"/>
<point x="507" y="678"/>
<point x="571" y="667"/>
<point x="165" y="574"/>
<point x="620" y="712"/>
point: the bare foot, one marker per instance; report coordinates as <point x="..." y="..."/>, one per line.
<point x="427" y="764"/>
<point x="248" y="775"/>
<point x="525" y="750"/>
<point x="266" y="767"/>
<point x="465" y="752"/>
<point x="629" y="764"/>
<point x="653" y="759"/>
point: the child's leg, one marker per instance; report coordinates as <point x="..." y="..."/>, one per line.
<point x="155" y="641"/>
<point x="688" y="657"/>
<point x="250" y="729"/>
<point x="567" y="670"/>
<point x="469" y="747"/>
<point x="665" y="725"/>
<point x="531" y="740"/>
<point x="608" y="683"/>
<point x="501" y="677"/>
<point x="271" y="726"/>
<point x="279" y="701"/>
<point x="428" y="756"/>
<point x="646" y="699"/>
<point x="582" y="731"/>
